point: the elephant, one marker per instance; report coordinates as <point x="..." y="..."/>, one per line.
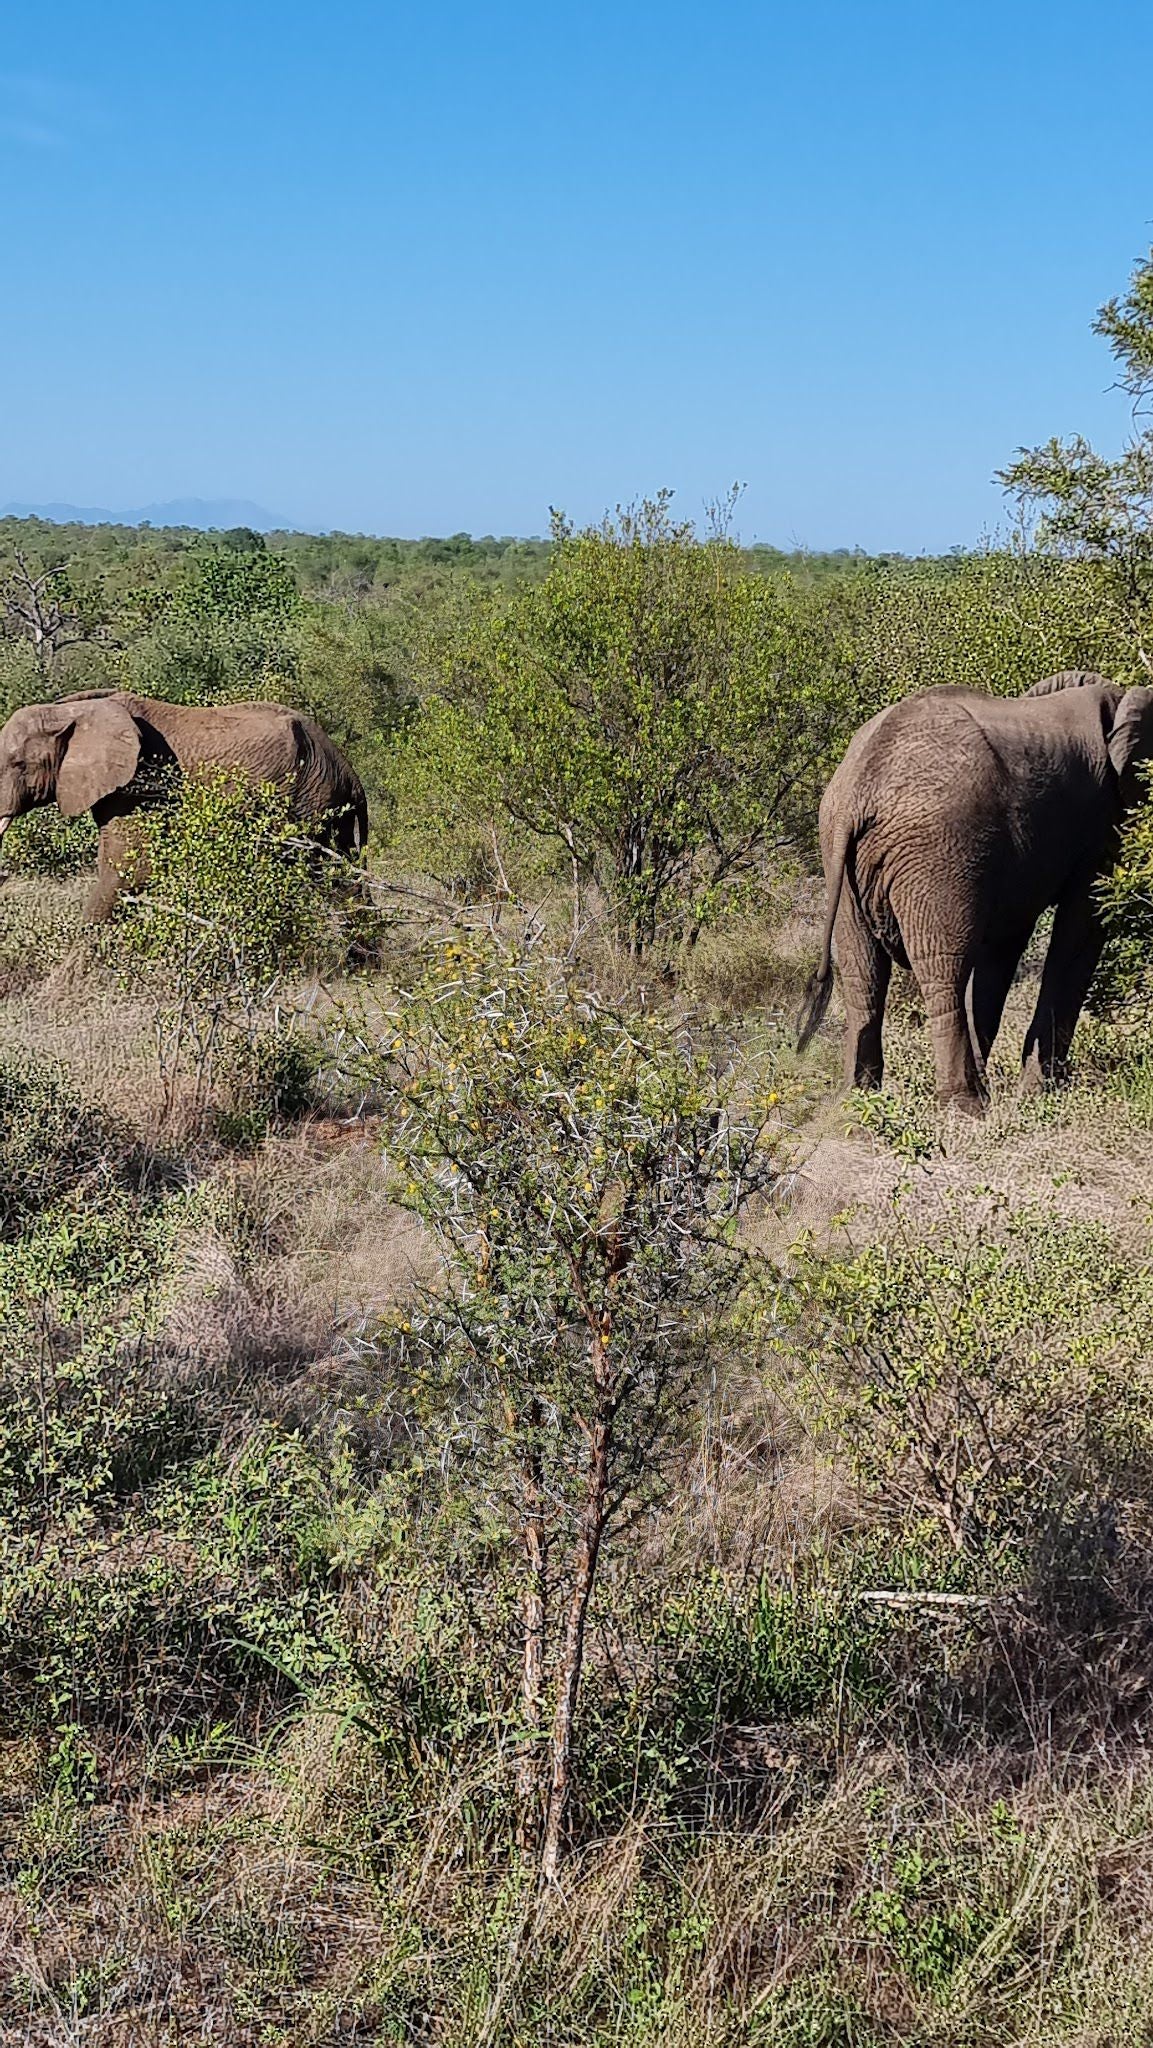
<point x="954" y="820"/>
<point x="107" y="751"/>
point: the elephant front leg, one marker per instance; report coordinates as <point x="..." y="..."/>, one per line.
<point x="992" y="979"/>
<point x="1074" y="950"/>
<point x="109" y="879"/>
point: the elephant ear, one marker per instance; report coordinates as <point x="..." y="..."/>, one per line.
<point x="101" y="752"/>
<point x="1069" y="679"/>
<point x="1130" y="737"/>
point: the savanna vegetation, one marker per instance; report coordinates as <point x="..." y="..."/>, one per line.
<point x="526" y="1517"/>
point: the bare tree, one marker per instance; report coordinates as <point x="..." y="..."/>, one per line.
<point x="42" y="609"/>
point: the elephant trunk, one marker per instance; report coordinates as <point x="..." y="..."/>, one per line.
<point x="820" y="987"/>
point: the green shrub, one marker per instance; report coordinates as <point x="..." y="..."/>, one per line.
<point x="268" y="1076"/>
<point x="1123" y="984"/>
<point x="225" y="901"/>
<point x="582" y="1174"/>
<point x="652" y="715"/>
<point x="50" y="1143"/>
<point x="222" y="887"/>
<point x="81" y="1411"/>
<point x="225" y="630"/>
<point x="46" y="843"/>
<point x="991" y="1381"/>
<point x="206" y="1612"/>
<point x="997" y="619"/>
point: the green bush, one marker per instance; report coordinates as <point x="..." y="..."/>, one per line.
<point x="989" y="1381"/>
<point x="996" y="620"/>
<point x="81" y="1411"/>
<point x="268" y="1076"/>
<point x="226" y="630"/>
<point x="222" y="888"/>
<point x="50" y="1143"/>
<point x="652" y="715"/>
<point x="199" y="1607"/>
<point x="1123" y="984"/>
<point x="226" y="900"/>
<point x="582" y="1174"/>
<point x="46" y="843"/>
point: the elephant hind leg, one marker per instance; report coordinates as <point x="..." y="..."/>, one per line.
<point x="865" y="970"/>
<point x="943" y="978"/>
<point x="959" y="1065"/>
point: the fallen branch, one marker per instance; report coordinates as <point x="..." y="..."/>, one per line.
<point x="879" y="1599"/>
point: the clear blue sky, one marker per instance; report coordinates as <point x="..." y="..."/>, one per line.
<point x="430" y="267"/>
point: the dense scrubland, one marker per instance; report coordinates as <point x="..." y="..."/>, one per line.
<point x="527" y="1517"/>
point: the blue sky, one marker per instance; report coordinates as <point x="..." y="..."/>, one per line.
<point x="426" y="268"/>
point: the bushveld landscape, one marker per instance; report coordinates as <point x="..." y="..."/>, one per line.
<point x="528" y="1516"/>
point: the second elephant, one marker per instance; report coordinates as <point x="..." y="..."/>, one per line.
<point x="106" y="752"/>
<point x="953" y="822"/>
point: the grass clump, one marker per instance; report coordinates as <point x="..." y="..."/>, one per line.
<point x="39" y="927"/>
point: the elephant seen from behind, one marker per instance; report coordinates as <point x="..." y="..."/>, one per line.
<point x="107" y="752"/>
<point x="954" y="820"/>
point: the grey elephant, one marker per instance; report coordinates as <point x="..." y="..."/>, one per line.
<point x="953" y="821"/>
<point x="107" y="752"/>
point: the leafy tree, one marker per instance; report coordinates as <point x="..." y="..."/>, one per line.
<point x="227" y="630"/>
<point x="1092" y="507"/>
<point x="243" y="540"/>
<point x="581" y="1176"/>
<point x="652" y="710"/>
<point x="998" y="620"/>
<point x="237" y="584"/>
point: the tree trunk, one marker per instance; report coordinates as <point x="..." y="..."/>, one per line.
<point x="592" y="1526"/>
<point x="533" y="1615"/>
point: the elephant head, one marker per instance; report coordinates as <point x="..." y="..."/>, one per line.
<point x="1128" y="716"/>
<point x="1130" y="738"/>
<point x="74" y="752"/>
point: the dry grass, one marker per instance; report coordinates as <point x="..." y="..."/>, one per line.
<point x="278" y="1883"/>
<point x="968" y="1905"/>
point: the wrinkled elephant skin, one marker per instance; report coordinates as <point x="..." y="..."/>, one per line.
<point x="954" y="820"/>
<point x="106" y="752"/>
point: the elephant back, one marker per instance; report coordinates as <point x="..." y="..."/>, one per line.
<point x="1070" y="679"/>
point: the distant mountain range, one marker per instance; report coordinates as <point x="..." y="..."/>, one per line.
<point x="207" y="514"/>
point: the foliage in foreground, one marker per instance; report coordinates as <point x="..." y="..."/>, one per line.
<point x="990" y="1379"/>
<point x="582" y="1175"/>
<point x="294" y="1624"/>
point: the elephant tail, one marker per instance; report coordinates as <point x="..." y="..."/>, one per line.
<point x="360" y="823"/>
<point x="820" y="987"/>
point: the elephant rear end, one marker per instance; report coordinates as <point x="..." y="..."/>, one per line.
<point x="913" y="829"/>
<point x="328" y="792"/>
